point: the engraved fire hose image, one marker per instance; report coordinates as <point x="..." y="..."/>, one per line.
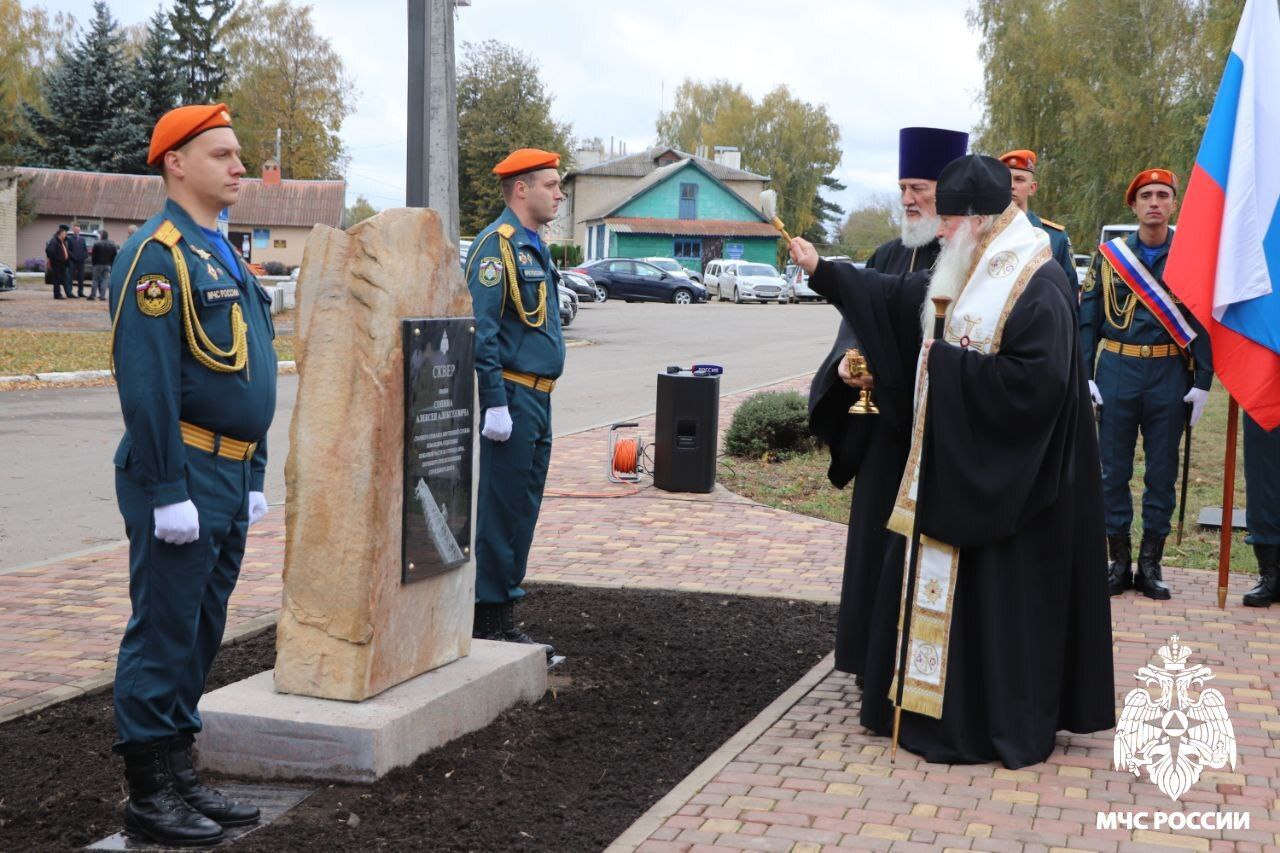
<point x="442" y="537"/>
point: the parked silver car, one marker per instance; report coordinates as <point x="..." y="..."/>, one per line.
<point x="749" y="281"/>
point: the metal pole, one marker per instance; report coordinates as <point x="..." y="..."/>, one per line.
<point x="1228" y="502"/>
<point x="432" y="151"/>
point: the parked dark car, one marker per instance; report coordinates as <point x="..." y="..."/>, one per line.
<point x="7" y="280"/>
<point x="637" y="281"/>
<point x="579" y="283"/>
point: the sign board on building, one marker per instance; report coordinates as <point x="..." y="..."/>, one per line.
<point x="224" y="221"/>
<point x="733" y="251"/>
<point x="261" y="238"/>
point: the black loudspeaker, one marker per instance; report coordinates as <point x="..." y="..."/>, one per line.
<point x="687" y="431"/>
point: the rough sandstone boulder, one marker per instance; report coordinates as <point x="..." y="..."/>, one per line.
<point x="348" y="628"/>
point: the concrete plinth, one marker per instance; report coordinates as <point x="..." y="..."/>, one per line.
<point x="252" y="732"/>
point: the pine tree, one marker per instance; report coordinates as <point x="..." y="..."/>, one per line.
<point x="201" y="56"/>
<point x="154" y="91"/>
<point x="87" y="95"/>
<point x="155" y="84"/>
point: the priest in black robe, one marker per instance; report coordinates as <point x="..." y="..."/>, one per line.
<point x="1008" y="480"/>
<point x="874" y="447"/>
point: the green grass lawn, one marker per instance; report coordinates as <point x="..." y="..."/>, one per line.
<point x="800" y="485"/>
<point x="25" y="351"/>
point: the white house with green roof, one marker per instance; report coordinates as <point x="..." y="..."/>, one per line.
<point x="664" y="202"/>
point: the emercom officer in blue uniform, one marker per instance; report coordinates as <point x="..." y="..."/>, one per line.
<point x="1022" y="173"/>
<point x="1146" y="379"/>
<point x="196" y="371"/>
<point x="519" y="355"/>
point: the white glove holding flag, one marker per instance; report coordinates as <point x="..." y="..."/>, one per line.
<point x="177" y="524"/>
<point x="257" y="507"/>
<point x="1095" y="393"/>
<point x="1197" y="397"/>
<point x="497" y="423"/>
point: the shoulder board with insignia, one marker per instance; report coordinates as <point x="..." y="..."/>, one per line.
<point x="167" y="234"/>
<point x="1055" y="226"/>
<point x="506" y="230"/>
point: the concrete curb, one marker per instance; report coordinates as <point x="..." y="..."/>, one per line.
<point x="71" y="376"/>
<point x="652" y="820"/>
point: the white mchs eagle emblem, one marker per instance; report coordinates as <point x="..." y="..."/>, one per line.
<point x="1173" y="737"/>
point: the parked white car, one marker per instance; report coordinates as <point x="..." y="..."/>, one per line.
<point x="749" y="281"/>
<point x="673" y="266"/>
<point x="798" y="279"/>
<point x="711" y="277"/>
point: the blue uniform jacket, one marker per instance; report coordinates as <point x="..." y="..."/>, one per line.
<point x="1060" y="244"/>
<point x="160" y="381"/>
<point x="503" y="340"/>
<point x="1097" y="324"/>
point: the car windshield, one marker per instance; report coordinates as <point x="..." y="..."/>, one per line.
<point x="757" y="269"/>
<point x="669" y="266"/>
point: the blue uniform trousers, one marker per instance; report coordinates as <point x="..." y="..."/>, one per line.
<point x="1262" y="482"/>
<point x="1140" y="394"/>
<point x="512" y="476"/>
<point x="179" y="595"/>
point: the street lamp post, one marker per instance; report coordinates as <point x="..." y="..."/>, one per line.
<point x="432" y="156"/>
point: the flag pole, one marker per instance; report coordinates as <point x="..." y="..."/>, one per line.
<point x="1228" y="502"/>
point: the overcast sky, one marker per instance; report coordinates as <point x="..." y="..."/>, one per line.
<point x="877" y="65"/>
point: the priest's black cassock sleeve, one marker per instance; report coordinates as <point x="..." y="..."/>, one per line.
<point x="1012" y="479"/>
<point x="872" y="447"/>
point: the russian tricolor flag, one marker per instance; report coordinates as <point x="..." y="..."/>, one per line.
<point x="1225" y="260"/>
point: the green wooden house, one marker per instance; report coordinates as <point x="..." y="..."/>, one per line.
<point x="681" y="210"/>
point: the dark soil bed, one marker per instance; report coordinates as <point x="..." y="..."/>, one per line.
<point x="653" y="684"/>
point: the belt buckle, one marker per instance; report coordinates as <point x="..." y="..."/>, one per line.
<point x="1145" y="351"/>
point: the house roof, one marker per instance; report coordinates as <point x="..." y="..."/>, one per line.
<point x="659" y="175"/>
<point x="640" y="164"/>
<point x="690" y="227"/>
<point x="62" y="192"/>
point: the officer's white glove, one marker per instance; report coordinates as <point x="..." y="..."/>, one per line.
<point x="1197" y="397"/>
<point x="497" y="423"/>
<point x="177" y="524"/>
<point x="257" y="506"/>
<point x="1095" y="393"/>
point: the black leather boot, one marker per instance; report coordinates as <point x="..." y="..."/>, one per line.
<point x="1266" y="589"/>
<point x="488" y="623"/>
<point x="511" y="631"/>
<point x="210" y="802"/>
<point x="155" y="811"/>
<point x="1149" y="580"/>
<point x="1120" y="570"/>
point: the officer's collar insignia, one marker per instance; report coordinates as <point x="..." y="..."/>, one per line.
<point x="213" y="271"/>
<point x="201" y="253"/>
<point x="155" y="295"/>
<point x="490" y="271"/>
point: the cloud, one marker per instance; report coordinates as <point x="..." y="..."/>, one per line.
<point x="611" y="67"/>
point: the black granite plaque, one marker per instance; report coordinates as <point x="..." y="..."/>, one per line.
<point x="439" y="386"/>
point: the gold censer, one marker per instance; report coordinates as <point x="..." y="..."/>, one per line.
<point x="857" y="365"/>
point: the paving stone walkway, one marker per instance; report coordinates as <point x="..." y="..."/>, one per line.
<point x="804" y="777"/>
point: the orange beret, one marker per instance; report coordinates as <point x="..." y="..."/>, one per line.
<point x="1020" y="159"/>
<point x="182" y="124"/>
<point x="1150" y="176"/>
<point x="526" y="160"/>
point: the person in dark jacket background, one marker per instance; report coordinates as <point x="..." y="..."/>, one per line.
<point x="77" y="254"/>
<point x="103" y="255"/>
<point x="57" y="271"/>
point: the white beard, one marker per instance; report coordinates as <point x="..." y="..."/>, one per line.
<point x="919" y="230"/>
<point x="951" y="270"/>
